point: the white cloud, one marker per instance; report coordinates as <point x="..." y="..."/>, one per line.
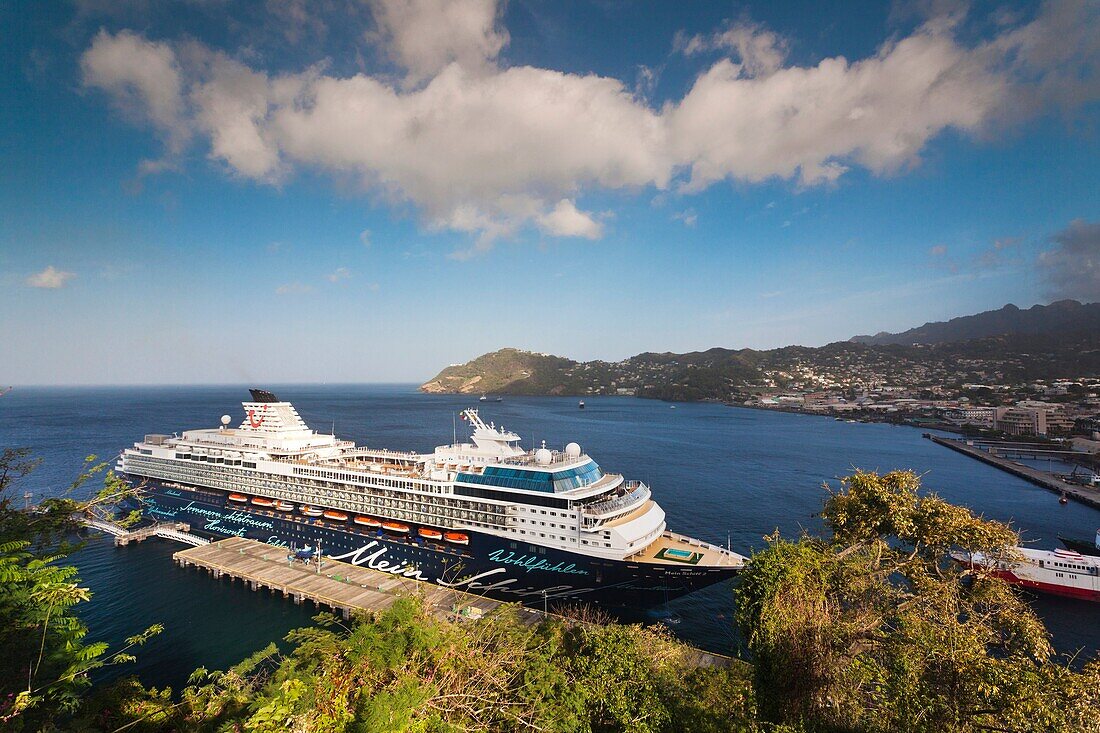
<point x="51" y="278"/>
<point x="489" y="150"/>
<point x="756" y="49"/>
<point x="338" y="275"/>
<point x="294" y="288"/>
<point x="566" y="220"/>
<point x="144" y="81"/>
<point x="938" y="250"/>
<point x="687" y="216"/>
<point x="426" y="36"/>
<point x="364" y="237"/>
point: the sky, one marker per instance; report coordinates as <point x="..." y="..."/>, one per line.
<point x="207" y="191"/>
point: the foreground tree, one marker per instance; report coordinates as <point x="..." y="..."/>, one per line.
<point x="44" y="659"/>
<point x="877" y="629"/>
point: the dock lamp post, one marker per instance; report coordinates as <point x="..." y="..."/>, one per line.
<point x="544" y="602"/>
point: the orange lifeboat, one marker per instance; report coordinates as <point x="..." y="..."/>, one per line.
<point x="395" y="527"/>
<point x="335" y="515"/>
<point x="457" y="538"/>
<point x="430" y="534"/>
<point x="367" y="522"/>
<point x="309" y="511"/>
<point x="284" y="506"/>
<point x="239" y="498"/>
<point x="260" y="501"/>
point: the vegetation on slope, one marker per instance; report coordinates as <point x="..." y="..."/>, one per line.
<point x="870" y="629"/>
<point x="725" y="374"/>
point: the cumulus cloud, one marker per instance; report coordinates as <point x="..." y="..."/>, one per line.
<point x="756" y="49"/>
<point x="364" y="238"/>
<point x="938" y="250"/>
<point x="487" y="149"/>
<point x="566" y="220"/>
<point x="50" y="278"/>
<point x="426" y="36"/>
<point x="144" y="80"/>
<point x="1071" y="268"/>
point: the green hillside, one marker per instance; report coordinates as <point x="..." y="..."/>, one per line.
<point x="724" y="374"/>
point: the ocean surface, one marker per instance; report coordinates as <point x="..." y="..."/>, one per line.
<point x="722" y="474"/>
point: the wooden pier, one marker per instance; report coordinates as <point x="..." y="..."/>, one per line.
<point x="340" y="586"/>
<point x="1083" y="494"/>
<point x="346" y="588"/>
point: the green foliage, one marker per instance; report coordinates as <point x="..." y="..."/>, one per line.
<point x="44" y="659"/>
<point x="876" y="629"/>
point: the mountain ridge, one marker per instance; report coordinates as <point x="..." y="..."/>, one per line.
<point x="1068" y="346"/>
<point x="1058" y="317"/>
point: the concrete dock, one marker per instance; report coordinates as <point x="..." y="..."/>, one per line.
<point x="346" y="588"/>
<point x="1083" y="494"/>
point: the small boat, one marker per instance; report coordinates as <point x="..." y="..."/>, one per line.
<point x="261" y="501"/>
<point x="284" y="506"/>
<point x="395" y="527"/>
<point x="367" y="522"/>
<point x="1085" y="547"/>
<point x="1063" y="499"/>
<point x="457" y="538"/>
<point x="430" y="534"/>
<point x="239" y="498"/>
<point x="335" y="515"/>
<point x="483" y="398"/>
<point x="580" y="405"/>
<point x="309" y="511"/>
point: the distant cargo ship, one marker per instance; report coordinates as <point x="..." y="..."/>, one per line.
<point x="484" y="516"/>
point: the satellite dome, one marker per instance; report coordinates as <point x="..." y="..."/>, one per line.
<point x="226" y="419"/>
<point x="573" y="450"/>
<point x="543" y="457"/>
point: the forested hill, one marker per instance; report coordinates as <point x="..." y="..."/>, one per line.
<point x="722" y="374"/>
<point x="1063" y="316"/>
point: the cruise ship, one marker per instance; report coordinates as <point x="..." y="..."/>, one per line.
<point x="484" y="516"/>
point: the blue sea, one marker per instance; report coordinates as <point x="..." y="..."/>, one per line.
<point x="722" y="474"/>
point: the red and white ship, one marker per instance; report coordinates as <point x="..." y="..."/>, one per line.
<point x="1058" y="572"/>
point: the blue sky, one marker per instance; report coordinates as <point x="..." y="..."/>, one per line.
<point x="368" y="190"/>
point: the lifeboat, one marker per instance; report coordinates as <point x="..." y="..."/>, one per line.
<point x="430" y="534"/>
<point x="367" y="522"/>
<point x="395" y="527"/>
<point x="335" y="515"/>
<point x="284" y="506"/>
<point x="239" y="498"/>
<point x="309" y="511"/>
<point x="260" y="501"/>
<point x="457" y="538"/>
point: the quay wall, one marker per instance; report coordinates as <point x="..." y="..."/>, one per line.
<point x="1082" y="494"/>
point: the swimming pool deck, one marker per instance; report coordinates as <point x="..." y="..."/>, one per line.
<point x="670" y="545"/>
<point x="347" y="589"/>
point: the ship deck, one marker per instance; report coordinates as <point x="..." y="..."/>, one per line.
<point x="675" y="549"/>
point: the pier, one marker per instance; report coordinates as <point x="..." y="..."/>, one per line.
<point x="348" y="589"/>
<point x="178" y="531"/>
<point x="1082" y="494"/>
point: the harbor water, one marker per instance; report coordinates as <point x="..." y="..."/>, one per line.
<point x="721" y="474"/>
